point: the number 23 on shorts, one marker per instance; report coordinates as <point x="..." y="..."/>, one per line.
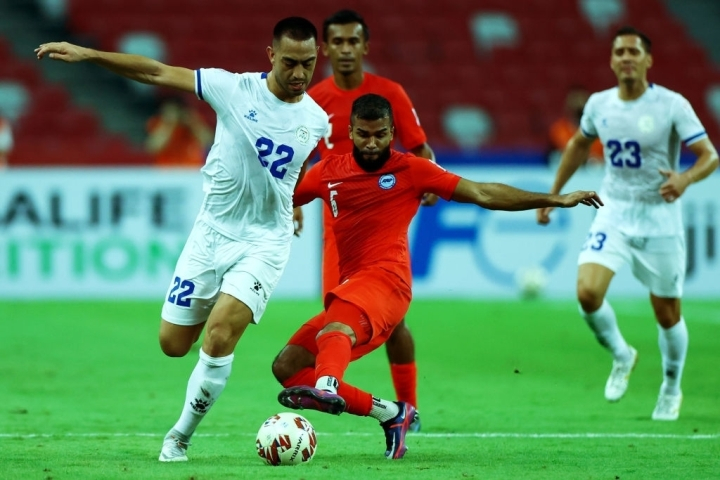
<point x="594" y="241"/>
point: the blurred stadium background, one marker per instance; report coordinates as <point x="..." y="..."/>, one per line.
<point x="483" y="74"/>
<point x="487" y="77"/>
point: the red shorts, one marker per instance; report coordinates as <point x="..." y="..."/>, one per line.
<point x="381" y="295"/>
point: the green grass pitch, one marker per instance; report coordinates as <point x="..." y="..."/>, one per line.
<point x="507" y="389"/>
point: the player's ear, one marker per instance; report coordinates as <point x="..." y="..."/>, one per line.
<point x="350" y="131"/>
<point x="270" y="53"/>
<point x="366" y="50"/>
<point x="325" y="49"/>
<point x="649" y="60"/>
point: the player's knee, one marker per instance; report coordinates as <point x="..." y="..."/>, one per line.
<point x="667" y="314"/>
<point x="590" y="298"/>
<point x="285" y="364"/>
<point x="174" y="348"/>
<point x="399" y="333"/>
<point x="280" y="368"/>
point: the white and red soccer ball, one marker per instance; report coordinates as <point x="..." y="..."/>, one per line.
<point x="286" y="439"/>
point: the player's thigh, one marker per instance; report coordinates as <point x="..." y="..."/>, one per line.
<point x="604" y="251"/>
<point x="227" y="323"/>
<point x="192" y="292"/>
<point x="252" y="278"/>
<point x="660" y="265"/>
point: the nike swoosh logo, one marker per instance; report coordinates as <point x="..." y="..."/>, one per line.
<point x="332" y="185"/>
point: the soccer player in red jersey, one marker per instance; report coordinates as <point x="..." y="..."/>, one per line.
<point x="373" y="194"/>
<point x="345" y="43"/>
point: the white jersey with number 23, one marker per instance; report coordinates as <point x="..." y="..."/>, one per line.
<point x="639" y="138"/>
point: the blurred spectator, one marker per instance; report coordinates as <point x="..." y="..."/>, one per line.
<point x="6" y="142"/>
<point x="178" y="136"/>
<point x="562" y="130"/>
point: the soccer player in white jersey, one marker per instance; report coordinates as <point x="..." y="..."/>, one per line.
<point x="641" y="126"/>
<point x="266" y="127"/>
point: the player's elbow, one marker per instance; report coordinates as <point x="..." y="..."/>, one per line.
<point x="483" y="198"/>
<point x="714" y="160"/>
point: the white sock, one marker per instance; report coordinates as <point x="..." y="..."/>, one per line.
<point x="604" y="324"/>
<point x="383" y="410"/>
<point x="673" y="348"/>
<point x="206" y="383"/>
<point x="327" y="383"/>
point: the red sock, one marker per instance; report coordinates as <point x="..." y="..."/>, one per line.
<point x="357" y="402"/>
<point x="333" y="355"/>
<point x="404" y="377"/>
<point x="306" y="376"/>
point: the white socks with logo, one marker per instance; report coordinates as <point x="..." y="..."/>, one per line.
<point x="206" y="383"/>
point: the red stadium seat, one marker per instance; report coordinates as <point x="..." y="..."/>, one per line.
<point x="428" y="49"/>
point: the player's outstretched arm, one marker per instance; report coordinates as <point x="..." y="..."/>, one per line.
<point x="135" y="67"/>
<point x="498" y="196"/>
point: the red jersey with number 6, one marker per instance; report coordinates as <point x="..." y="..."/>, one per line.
<point x="372" y="210"/>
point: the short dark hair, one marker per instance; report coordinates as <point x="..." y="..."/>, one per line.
<point x="371" y="107"/>
<point x="295" y="28"/>
<point x="343" y="17"/>
<point x="628" y="30"/>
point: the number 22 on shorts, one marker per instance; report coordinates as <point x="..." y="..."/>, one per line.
<point x="594" y="241"/>
<point x="179" y="298"/>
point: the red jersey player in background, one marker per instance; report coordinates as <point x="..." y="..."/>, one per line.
<point x="373" y="194"/>
<point x="345" y="43"/>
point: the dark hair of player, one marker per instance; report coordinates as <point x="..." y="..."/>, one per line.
<point x="343" y="17"/>
<point x="371" y="107"/>
<point x="295" y="28"/>
<point x="628" y="30"/>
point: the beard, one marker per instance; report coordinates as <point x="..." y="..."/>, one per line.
<point x="371" y="165"/>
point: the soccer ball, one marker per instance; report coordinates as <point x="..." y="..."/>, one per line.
<point x="531" y="281"/>
<point x="286" y="439"/>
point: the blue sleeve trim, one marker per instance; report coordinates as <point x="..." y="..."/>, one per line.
<point x="263" y="75"/>
<point x="587" y="134"/>
<point x="694" y="137"/>
<point x="198" y="84"/>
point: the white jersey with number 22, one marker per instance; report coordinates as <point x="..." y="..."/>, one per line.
<point x="260" y="145"/>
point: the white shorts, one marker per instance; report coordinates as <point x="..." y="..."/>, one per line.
<point x="658" y="262"/>
<point x="211" y="263"/>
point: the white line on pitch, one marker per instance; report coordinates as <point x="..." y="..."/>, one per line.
<point x="668" y="436"/>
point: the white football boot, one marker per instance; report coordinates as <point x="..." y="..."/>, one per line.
<point x="617" y="383"/>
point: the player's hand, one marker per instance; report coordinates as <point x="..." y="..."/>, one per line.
<point x="67" y="52"/>
<point x="674" y="186"/>
<point x="591" y="199"/>
<point x="429" y="199"/>
<point x="543" y="215"/>
<point x="297" y="221"/>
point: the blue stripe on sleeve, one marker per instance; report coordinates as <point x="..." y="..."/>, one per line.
<point x="694" y="137"/>
<point x="198" y="84"/>
<point x="263" y="75"/>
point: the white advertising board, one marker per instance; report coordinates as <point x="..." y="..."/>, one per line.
<point x="460" y="250"/>
<point x="116" y="233"/>
<point x="112" y="233"/>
